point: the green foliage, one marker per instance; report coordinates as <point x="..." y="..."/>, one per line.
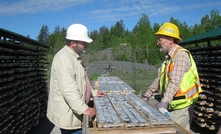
<point x="143" y="79"/>
<point x="56" y="41"/>
<point x="196" y="29"/>
<point x="144" y="39"/>
<point x="104" y="57"/>
<point x="43" y="35"/>
<point x="123" y="53"/>
<point x="93" y="76"/>
<point x="209" y="22"/>
<point x="104" y="32"/>
<point x="93" y="57"/>
<point x="118" y="30"/>
<point x="140" y="40"/>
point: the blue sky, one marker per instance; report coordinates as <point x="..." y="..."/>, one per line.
<point x="26" y="17"/>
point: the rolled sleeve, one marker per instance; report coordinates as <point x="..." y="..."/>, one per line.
<point x="153" y="88"/>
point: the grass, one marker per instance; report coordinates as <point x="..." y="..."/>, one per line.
<point x="93" y="76"/>
<point x="142" y="80"/>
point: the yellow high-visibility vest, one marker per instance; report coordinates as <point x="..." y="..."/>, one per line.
<point x="190" y="87"/>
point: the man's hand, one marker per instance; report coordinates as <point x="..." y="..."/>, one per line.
<point x="90" y="112"/>
<point x="145" y="98"/>
<point x="99" y="93"/>
<point x="162" y="107"/>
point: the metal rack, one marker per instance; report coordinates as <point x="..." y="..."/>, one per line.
<point x="206" y="51"/>
<point x="207" y="112"/>
<point x="23" y="88"/>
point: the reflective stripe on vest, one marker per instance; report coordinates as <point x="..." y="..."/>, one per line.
<point x="190" y="86"/>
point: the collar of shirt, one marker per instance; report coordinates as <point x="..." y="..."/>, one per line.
<point x="71" y="51"/>
<point x="172" y="52"/>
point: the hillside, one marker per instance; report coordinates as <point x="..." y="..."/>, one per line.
<point x="145" y="74"/>
<point x="102" y="61"/>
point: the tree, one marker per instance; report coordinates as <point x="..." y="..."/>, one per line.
<point x="43" y="35"/>
<point x="57" y="38"/>
<point x="94" y="34"/>
<point x="206" y="23"/>
<point x="196" y="29"/>
<point x="56" y="41"/>
<point x="144" y="40"/>
<point x="215" y="18"/>
<point x="184" y="29"/>
<point x="118" y="30"/>
<point x="156" y="26"/>
<point x="141" y="38"/>
<point x="104" y="32"/>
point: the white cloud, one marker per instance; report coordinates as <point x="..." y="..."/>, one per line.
<point x="35" y="6"/>
<point x="105" y="9"/>
<point x="129" y="8"/>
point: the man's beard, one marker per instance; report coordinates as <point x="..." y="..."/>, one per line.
<point x="163" y="50"/>
<point x="79" y="50"/>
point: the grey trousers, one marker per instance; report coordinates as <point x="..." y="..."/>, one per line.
<point x="183" y="116"/>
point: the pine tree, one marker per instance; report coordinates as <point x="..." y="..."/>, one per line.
<point x="43" y="35"/>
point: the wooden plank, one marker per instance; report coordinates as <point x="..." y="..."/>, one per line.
<point x="210" y="127"/>
<point x="197" y="113"/>
<point x="200" y="119"/>
<point x="85" y="124"/>
<point x="218" y="94"/>
<point x="218" y="88"/>
<point x="179" y="129"/>
<point x="218" y="107"/>
<point x="218" y="100"/>
<point x="208" y="92"/>
<point x="122" y="127"/>
<point x="132" y="122"/>
<point x="208" y="115"/>
<point x="198" y="108"/>
<point x="86" y="129"/>
<point x="104" y="118"/>
<point x="209" y="104"/>
<point x="95" y="84"/>
<point x="201" y="103"/>
<point x="201" y="124"/>
<point x="202" y="96"/>
<point x="217" y="113"/>
<point x="208" y="110"/>
<point x="136" y="131"/>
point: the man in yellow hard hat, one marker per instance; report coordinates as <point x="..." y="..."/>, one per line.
<point x="178" y="79"/>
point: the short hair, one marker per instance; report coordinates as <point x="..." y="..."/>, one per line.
<point x="68" y="42"/>
<point x="176" y="41"/>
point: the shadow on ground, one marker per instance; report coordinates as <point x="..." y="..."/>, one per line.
<point x="44" y="127"/>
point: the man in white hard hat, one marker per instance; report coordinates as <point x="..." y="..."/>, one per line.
<point x="69" y="84"/>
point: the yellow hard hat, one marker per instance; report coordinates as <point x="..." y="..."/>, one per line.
<point x="169" y="29"/>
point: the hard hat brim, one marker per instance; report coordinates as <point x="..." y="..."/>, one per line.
<point x="169" y="35"/>
<point x="88" y="40"/>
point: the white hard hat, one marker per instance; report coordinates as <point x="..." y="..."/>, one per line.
<point x="78" y="32"/>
